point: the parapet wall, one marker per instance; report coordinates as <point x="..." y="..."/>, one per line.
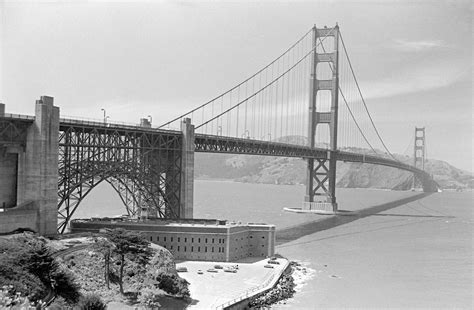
<point x="24" y="216"/>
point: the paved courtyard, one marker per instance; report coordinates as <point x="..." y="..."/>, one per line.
<point x="210" y="290"/>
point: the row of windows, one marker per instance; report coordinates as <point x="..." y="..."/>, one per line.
<point x="251" y="237"/>
<point x="205" y="249"/>
<point x="205" y="240"/>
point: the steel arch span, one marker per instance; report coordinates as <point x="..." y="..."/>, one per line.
<point x="143" y="167"/>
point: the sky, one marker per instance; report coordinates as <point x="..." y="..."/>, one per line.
<point x="413" y="59"/>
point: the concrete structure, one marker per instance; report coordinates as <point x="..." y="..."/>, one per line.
<point x="187" y="170"/>
<point x="223" y="290"/>
<point x="29" y="172"/>
<point x="205" y="240"/>
<point x="24" y="216"/>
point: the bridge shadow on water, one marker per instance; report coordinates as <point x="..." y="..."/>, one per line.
<point x="292" y="233"/>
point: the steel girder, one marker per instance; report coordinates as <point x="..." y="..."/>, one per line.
<point x="220" y="144"/>
<point x="142" y="166"/>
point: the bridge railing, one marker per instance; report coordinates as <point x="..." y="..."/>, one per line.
<point x="18" y="116"/>
<point x="102" y="123"/>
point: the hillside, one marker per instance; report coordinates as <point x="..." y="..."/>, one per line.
<point x="283" y="170"/>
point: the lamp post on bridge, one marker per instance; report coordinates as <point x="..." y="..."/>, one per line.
<point x="105" y="115"/>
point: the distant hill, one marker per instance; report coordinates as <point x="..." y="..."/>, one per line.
<point x="286" y="170"/>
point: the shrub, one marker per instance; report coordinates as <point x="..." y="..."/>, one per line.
<point x="27" y="265"/>
<point x="11" y="300"/>
<point x="173" y="284"/>
<point x="91" y="302"/>
<point x="21" y="281"/>
<point x="59" y="304"/>
<point x="150" y="298"/>
<point x="65" y="286"/>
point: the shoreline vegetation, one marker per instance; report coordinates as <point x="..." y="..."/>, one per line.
<point x="74" y="273"/>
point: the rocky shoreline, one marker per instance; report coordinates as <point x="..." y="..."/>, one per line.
<point x="284" y="289"/>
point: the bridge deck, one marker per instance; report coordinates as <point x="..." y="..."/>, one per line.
<point x="220" y="144"/>
<point x="97" y="125"/>
<point x="230" y="145"/>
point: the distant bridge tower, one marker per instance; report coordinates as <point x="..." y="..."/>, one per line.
<point x="419" y="152"/>
<point x="321" y="178"/>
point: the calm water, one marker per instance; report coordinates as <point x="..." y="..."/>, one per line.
<point x="400" y="250"/>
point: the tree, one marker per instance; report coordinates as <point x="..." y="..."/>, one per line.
<point x="131" y="244"/>
<point x="104" y="247"/>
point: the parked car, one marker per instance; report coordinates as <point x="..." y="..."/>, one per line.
<point x="268" y="266"/>
<point x="200" y="271"/>
<point x="182" y="269"/>
<point x="211" y="270"/>
<point x="217" y="267"/>
<point x="273" y="262"/>
<point x="230" y="269"/>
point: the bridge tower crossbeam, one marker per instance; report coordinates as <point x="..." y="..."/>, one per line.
<point x="321" y="178"/>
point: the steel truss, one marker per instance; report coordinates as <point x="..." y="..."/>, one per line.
<point x="143" y="166"/>
<point x="221" y="144"/>
<point x="230" y="145"/>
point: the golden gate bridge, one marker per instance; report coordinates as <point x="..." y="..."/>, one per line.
<point x="306" y="103"/>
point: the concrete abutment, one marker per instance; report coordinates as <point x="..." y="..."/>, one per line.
<point x="35" y="175"/>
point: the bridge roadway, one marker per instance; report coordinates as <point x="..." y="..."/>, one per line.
<point x="220" y="144"/>
<point x="147" y="166"/>
<point x="230" y="145"/>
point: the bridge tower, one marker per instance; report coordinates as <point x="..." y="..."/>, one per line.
<point x="321" y="173"/>
<point x="419" y="152"/>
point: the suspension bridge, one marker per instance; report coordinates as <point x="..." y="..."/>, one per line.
<point x="306" y="103"/>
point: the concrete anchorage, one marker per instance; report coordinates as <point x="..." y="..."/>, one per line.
<point x="187" y="170"/>
<point x="37" y="173"/>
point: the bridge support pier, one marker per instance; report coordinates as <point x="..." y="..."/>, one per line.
<point x="187" y="170"/>
<point x="37" y="166"/>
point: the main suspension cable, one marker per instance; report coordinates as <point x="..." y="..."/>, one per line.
<point x="363" y="100"/>
<point x="266" y="86"/>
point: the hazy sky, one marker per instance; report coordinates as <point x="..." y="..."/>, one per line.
<point x="413" y="58"/>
